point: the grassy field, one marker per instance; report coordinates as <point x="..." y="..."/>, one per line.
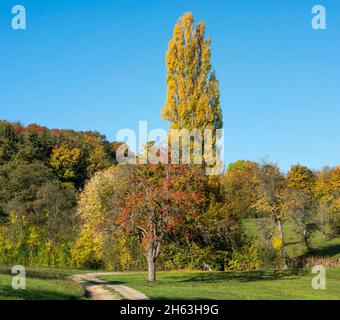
<point x="41" y="284"/>
<point x="265" y="285"/>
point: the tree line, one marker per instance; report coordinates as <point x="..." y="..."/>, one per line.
<point x="65" y="204"/>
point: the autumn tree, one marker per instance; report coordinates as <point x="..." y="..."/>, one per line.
<point x="327" y="192"/>
<point x="230" y="198"/>
<point x="271" y="185"/>
<point x="299" y="201"/>
<point x="8" y="142"/>
<point x="192" y="88"/>
<point x="19" y="185"/>
<point x="158" y="199"/>
<point x="239" y="188"/>
<point x="98" y="209"/>
<point x="66" y="163"/>
<point x="36" y="144"/>
<point x="193" y="97"/>
<point x="56" y="203"/>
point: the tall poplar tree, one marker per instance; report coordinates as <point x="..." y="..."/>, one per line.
<point x="193" y="97"/>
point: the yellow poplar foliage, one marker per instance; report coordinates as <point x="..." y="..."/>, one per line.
<point x="192" y="88"/>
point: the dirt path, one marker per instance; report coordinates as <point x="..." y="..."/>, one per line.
<point x="99" y="289"/>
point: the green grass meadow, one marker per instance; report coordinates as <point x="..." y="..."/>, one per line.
<point x="293" y="284"/>
<point x="41" y="284"/>
<point x="253" y="285"/>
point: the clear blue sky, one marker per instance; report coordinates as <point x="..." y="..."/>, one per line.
<point x="100" y="65"/>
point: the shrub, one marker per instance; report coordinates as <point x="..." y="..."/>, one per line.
<point x="87" y="251"/>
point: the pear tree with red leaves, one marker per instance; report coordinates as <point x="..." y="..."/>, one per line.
<point x="157" y="200"/>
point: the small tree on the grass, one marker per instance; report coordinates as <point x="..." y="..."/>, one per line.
<point x="299" y="201"/>
<point x="328" y="196"/>
<point x="300" y="206"/>
<point x="270" y="188"/>
<point x="158" y="197"/>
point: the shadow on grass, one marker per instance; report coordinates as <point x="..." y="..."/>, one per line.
<point x="292" y="243"/>
<point x="35" y="274"/>
<point x="8" y="293"/>
<point x="33" y="294"/>
<point x="87" y="284"/>
<point x="250" y="276"/>
<point x="328" y="251"/>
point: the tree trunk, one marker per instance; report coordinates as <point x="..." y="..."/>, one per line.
<point x="323" y="227"/>
<point x="280" y="233"/>
<point x="305" y="238"/>
<point x="151" y="265"/>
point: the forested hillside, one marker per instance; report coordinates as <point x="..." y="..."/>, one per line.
<point x="41" y="174"/>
